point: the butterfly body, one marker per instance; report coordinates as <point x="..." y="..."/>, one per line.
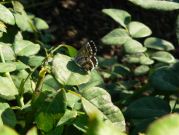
<point x="86" y="57"/>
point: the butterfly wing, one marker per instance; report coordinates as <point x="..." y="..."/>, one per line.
<point x="86" y="57"/>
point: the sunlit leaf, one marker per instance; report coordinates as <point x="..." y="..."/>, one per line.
<point x="7" y="67"/>
<point x="67" y="72"/>
<point x="6" y="16"/>
<point x="120" y="16"/>
<point x="139" y="30"/>
<point x="163" y="56"/>
<point x="40" y="24"/>
<point x="98" y="100"/>
<point x="7" y="51"/>
<point x="25" y="48"/>
<point x="133" y="46"/>
<point x="156" y="4"/>
<point x="116" y="37"/>
<point x="158" y="44"/>
<point x="5" y="130"/>
<point x="32" y="131"/>
<point x="167" y="125"/>
<point x="141" y="70"/>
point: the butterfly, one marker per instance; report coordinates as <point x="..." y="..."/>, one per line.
<point x="86" y="57"/>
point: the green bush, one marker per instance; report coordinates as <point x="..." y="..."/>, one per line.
<point x="43" y="90"/>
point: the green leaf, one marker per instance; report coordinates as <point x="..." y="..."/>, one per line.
<point x="23" y="21"/>
<point x="107" y="62"/>
<point x="35" y="61"/>
<point x="156" y="4"/>
<point x="98" y="127"/>
<point x="40" y="24"/>
<point x="7" y="88"/>
<point x="158" y="44"/>
<point x="163" y="56"/>
<point x="120" y="16"/>
<point x="133" y="58"/>
<point x="25" y="48"/>
<point x="50" y="110"/>
<point x="32" y="131"/>
<point x="5" y="130"/>
<point x="7" y="51"/>
<point x="81" y="123"/>
<point x="50" y="84"/>
<point x="145" y="60"/>
<point x="168" y="77"/>
<point x="7" y="67"/>
<point x="71" y="51"/>
<point x="139" y="30"/>
<point x="6" y="16"/>
<point x="121" y="71"/>
<point x="67" y="117"/>
<point x="67" y="72"/>
<point x="73" y="100"/>
<point x="20" y="65"/>
<point x="116" y="37"/>
<point x="2" y="27"/>
<point x="17" y="6"/>
<point x="98" y="100"/>
<point x="42" y="125"/>
<point x="95" y="80"/>
<point x="141" y="70"/>
<point x="133" y="46"/>
<point x="150" y="108"/>
<point x="57" y="131"/>
<point x="21" y="76"/>
<point x="7" y="115"/>
<point x="167" y="125"/>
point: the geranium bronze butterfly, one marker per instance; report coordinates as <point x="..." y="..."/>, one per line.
<point x="86" y="57"/>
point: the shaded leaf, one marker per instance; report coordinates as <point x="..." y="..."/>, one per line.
<point x="67" y="117"/>
<point x="7" y="115"/>
<point x="95" y="80"/>
<point x="145" y="110"/>
<point x="168" y="77"/>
